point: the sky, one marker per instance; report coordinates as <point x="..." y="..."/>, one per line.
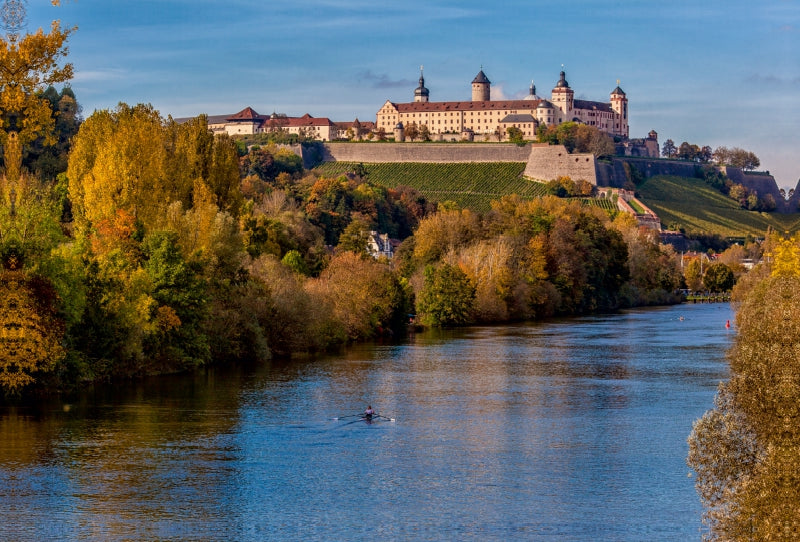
<point x="710" y="72"/>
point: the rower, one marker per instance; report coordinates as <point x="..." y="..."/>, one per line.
<point x="369" y="413"/>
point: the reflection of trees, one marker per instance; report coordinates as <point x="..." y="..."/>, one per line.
<point x="746" y="451"/>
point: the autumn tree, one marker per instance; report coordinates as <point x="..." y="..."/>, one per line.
<point x="30" y="343"/>
<point x="718" y="278"/>
<point x="669" y="150"/>
<point x="693" y="274"/>
<point x="31" y="331"/>
<point x="131" y="158"/>
<point x="746" y="450"/>
<point x="363" y="294"/>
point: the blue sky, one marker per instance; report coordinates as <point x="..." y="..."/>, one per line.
<point x="713" y="72"/>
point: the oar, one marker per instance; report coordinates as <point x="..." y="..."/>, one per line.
<point x="344" y="417"/>
<point x="382" y="416"/>
<point x="354" y="421"/>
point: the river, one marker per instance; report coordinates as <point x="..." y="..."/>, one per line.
<point x="571" y="429"/>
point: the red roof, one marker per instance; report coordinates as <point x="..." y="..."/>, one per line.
<point x="466" y="106"/>
<point x="308" y="120"/>
<point x="248" y="113"/>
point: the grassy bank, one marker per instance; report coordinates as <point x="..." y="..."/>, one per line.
<point x="691" y="204"/>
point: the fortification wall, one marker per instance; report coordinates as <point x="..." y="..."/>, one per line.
<point x="651" y="168"/>
<point x="550" y="162"/>
<point x="761" y="183"/>
<point x="611" y="174"/>
<point x="794" y="202"/>
<point x="424" y="152"/>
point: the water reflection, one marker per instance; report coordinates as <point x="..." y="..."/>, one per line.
<point x="572" y="428"/>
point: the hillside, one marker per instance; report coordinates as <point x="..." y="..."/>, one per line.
<point x="680" y="202"/>
<point x="689" y="203"/>
<point x="473" y="185"/>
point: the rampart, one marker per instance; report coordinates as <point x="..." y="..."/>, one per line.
<point x="543" y="162"/>
<point x="424" y="152"/>
<point x="761" y="183"/>
<point x="546" y="163"/>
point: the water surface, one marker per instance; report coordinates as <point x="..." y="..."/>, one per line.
<point x="572" y="429"/>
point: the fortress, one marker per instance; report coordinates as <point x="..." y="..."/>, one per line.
<point x="482" y="117"/>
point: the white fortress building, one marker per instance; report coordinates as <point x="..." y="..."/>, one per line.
<point x="486" y="118"/>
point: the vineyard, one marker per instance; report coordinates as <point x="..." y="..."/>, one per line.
<point x="470" y="185"/>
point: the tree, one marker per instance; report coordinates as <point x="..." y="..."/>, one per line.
<point x="668" y="150"/>
<point x="32" y="334"/>
<point x="424" y="133"/>
<point x="718" y="278"/>
<point x="447" y="296"/>
<point x="736" y="157"/>
<point x="108" y="170"/>
<point x="355" y="237"/>
<point x="515" y="135"/>
<point x="745" y="451"/>
<point x="693" y="274"/>
<point x="412" y="131"/>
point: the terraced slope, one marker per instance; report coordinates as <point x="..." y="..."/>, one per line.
<point x="472" y="185"/>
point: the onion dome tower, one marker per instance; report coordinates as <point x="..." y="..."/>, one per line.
<point x="532" y="93"/>
<point x="421" y="93"/>
<point x="481" y="87"/>
<point x="562" y="96"/>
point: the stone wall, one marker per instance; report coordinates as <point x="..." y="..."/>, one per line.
<point x="424" y="152"/>
<point x="546" y="163"/>
<point x="761" y="183"/>
<point x="651" y="168"/>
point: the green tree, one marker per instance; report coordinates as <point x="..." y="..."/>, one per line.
<point x="718" y="278"/>
<point x="182" y="305"/>
<point x="447" y="296"/>
<point x="515" y="135"/>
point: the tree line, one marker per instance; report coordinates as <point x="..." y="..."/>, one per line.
<point x="723" y="156"/>
<point x="745" y="450"/>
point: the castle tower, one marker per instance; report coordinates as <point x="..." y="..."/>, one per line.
<point x="421" y="93"/>
<point x="562" y="98"/>
<point x="532" y="93"/>
<point x="399" y="133"/>
<point x="619" y="103"/>
<point x="481" y="87"/>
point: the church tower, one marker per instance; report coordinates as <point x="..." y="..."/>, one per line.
<point x="481" y="87"/>
<point x="421" y="93"/>
<point x="562" y="97"/>
<point x="619" y="103"/>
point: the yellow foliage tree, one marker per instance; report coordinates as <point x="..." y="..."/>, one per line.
<point x="29" y="332"/>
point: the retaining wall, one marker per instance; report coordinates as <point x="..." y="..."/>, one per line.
<point x="552" y="161"/>
<point x="424" y="152"/>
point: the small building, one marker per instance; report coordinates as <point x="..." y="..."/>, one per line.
<point x="524" y="122"/>
<point x="379" y="244"/>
